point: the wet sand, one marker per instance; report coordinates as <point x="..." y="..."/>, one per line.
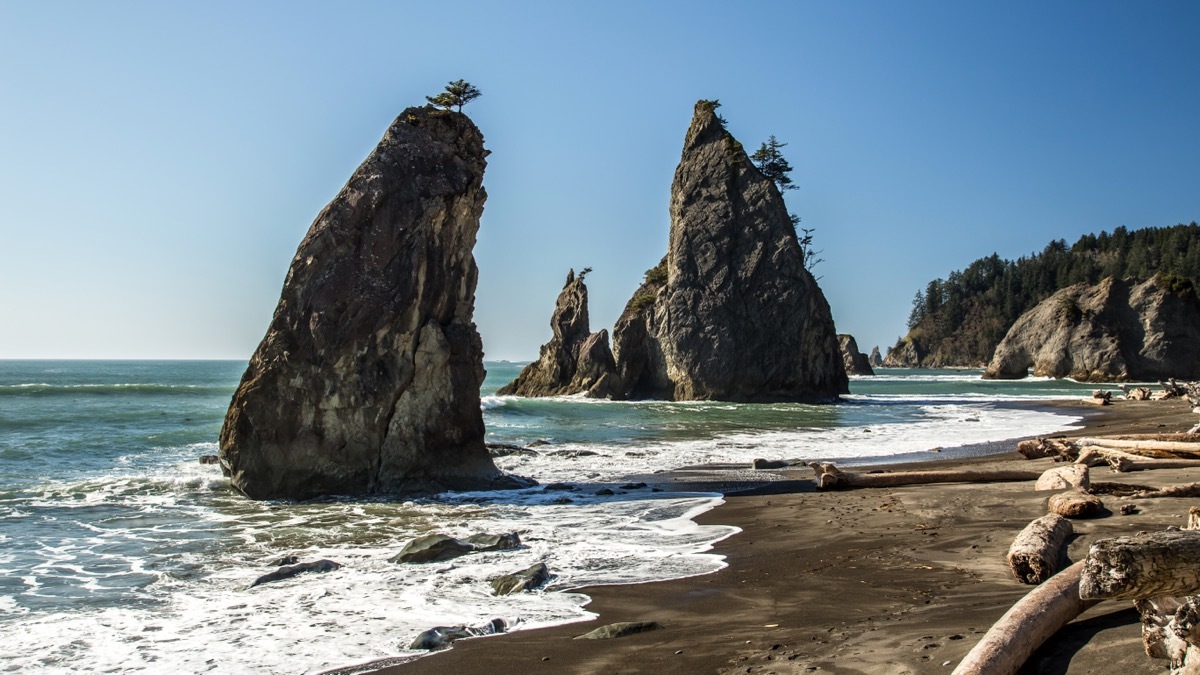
<point x="882" y="580"/>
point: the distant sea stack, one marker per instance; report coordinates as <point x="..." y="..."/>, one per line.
<point x="1117" y="330"/>
<point x="854" y="361"/>
<point x="368" y="378"/>
<point x="730" y="313"/>
<point x="906" y="354"/>
<point x="575" y="359"/>
<point x="875" y="359"/>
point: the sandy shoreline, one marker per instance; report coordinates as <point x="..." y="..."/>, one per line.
<point x="886" y="580"/>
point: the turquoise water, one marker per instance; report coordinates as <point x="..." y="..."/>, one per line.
<point x="119" y="551"/>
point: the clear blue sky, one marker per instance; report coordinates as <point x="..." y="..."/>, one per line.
<point x="160" y="161"/>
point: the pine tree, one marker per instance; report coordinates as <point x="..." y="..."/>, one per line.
<point x="771" y="163"/>
<point x="458" y="93"/>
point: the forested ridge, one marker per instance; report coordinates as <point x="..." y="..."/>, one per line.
<point x="958" y="321"/>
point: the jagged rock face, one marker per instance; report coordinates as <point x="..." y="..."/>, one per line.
<point x="575" y="359"/>
<point x="854" y="361"/>
<point x="731" y="314"/>
<point x="907" y="355"/>
<point x="875" y="359"/>
<point x="1111" y="332"/>
<point x="368" y="377"/>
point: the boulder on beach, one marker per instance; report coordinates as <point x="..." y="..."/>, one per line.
<point x="289" y="571"/>
<point x="440" y="547"/>
<point x="575" y="359"/>
<point x="1113" y="331"/>
<point x="620" y="629"/>
<point x="441" y="636"/>
<point x="367" y="380"/>
<point x="730" y="313"/>
<point x="854" y="361"/>
<point x="525" y="580"/>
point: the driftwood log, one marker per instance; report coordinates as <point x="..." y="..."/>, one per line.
<point x="1034" y="554"/>
<point x="1030" y="622"/>
<point x="1069" y="476"/>
<point x="1075" y="504"/>
<point x="828" y="476"/>
<point x="1151" y="565"/>
<point x="1145" y="448"/>
<point x="1182" y="490"/>
<point x="1123" y="462"/>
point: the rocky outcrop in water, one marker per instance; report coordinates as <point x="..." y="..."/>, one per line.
<point x="1110" y="332"/>
<point x="875" y="359"/>
<point x="854" y="361"/>
<point x="906" y="354"/>
<point x="575" y="359"/>
<point x="731" y="313"/>
<point x="368" y="378"/>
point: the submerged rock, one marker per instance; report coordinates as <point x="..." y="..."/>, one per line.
<point x="368" y="378"/>
<point x="574" y="360"/>
<point x="524" y="580"/>
<point x="289" y="571"/>
<point x="442" y="636"/>
<point x="1116" y="330"/>
<point x="854" y="361"/>
<point x="441" y="547"/>
<point x="730" y="313"/>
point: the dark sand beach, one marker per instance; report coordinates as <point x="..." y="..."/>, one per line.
<point x="884" y="580"/>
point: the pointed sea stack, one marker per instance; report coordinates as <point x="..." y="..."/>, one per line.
<point x="854" y="361"/>
<point x="730" y="313"/>
<point x="575" y="359"/>
<point x="368" y="378"/>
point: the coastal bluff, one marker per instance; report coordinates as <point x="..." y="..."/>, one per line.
<point x="1114" y="331"/>
<point x="575" y="359"/>
<point x="367" y="380"/>
<point x="730" y="313"/>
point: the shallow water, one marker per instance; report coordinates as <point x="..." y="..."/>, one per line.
<point x="119" y="551"/>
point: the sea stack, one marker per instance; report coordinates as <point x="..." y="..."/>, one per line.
<point x="575" y="359"/>
<point x="875" y="359"/>
<point x="368" y="378"/>
<point x="730" y="313"/>
<point x="1114" y="331"/>
<point x="854" y="361"/>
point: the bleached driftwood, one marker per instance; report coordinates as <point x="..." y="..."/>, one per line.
<point x="828" y="476"/>
<point x="1122" y="462"/>
<point x="1034" y="554"/>
<point x="1150" y="565"/>
<point x="1075" y="504"/>
<point x="1030" y="622"/>
<point x="1181" y="490"/>
<point x="1145" y="448"/>
<point x="1037" y="448"/>
<point x="1069" y="476"/>
<point x="1169" y="624"/>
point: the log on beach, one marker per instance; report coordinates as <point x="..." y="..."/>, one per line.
<point x="1181" y="490"/>
<point x="1075" y="504"/>
<point x="1034" y="554"/>
<point x="1151" y="565"/>
<point x="1030" y="622"/>
<point x="828" y="476"/>
<point x="1145" y="448"/>
<point x="1069" y="476"/>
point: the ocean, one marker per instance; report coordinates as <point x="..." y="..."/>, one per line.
<point x="120" y="552"/>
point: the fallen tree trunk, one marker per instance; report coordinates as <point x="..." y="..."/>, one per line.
<point x="1146" y="448"/>
<point x="1034" y="554"/>
<point x="1142" y="566"/>
<point x="1037" y="448"/>
<point x="1122" y="462"/>
<point x="828" y="476"/>
<point x="1030" y="622"/>
<point x="1182" y="490"/>
<point x="1075" y="504"/>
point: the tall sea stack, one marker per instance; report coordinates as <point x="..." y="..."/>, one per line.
<point x="730" y="313"/>
<point x="575" y="359"/>
<point x="368" y="378"/>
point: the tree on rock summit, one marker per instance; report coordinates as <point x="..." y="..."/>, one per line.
<point x="458" y="93"/>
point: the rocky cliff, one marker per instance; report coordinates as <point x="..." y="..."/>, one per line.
<point x="368" y="377"/>
<point x="731" y="313"/>
<point x="575" y="359"/>
<point x="1109" y="332"/>
<point x="854" y="361"/>
<point x="906" y="354"/>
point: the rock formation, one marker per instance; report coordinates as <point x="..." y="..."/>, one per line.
<point x="730" y="313"/>
<point x="1113" y="331"/>
<point x="368" y="377"/>
<point x="575" y="359"/>
<point x="906" y="354"/>
<point x="854" y="361"/>
<point x="875" y="359"/>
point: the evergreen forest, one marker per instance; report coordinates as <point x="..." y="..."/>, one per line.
<point x="958" y="321"/>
